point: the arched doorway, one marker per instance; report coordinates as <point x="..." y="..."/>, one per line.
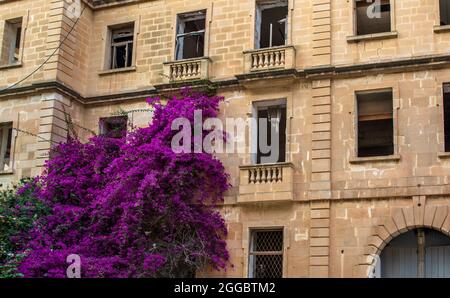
<point x="422" y="253"/>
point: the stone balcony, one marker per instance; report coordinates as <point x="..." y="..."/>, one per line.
<point x="266" y="183"/>
<point x="276" y="58"/>
<point x="187" y="70"/>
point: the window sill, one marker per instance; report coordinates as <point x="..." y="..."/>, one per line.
<point x="187" y="60"/>
<point x="359" y="160"/>
<point x="279" y="164"/>
<point x="5" y="173"/>
<point x="10" y="66"/>
<point x="441" y="29"/>
<point x="444" y="155"/>
<point x="117" y="70"/>
<point x="375" y="36"/>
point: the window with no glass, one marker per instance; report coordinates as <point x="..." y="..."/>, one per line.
<point x="375" y="123"/>
<point x="122" y="43"/>
<point x="113" y="127"/>
<point x="373" y="16"/>
<point x="11" y="43"/>
<point x="447" y="116"/>
<point x="190" y="39"/>
<point x="444" y="12"/>
<point x="266" y="254"/>
<point x="5" y="147"/>
<point x="272" y="137"/>
<point x="271" y="23"/>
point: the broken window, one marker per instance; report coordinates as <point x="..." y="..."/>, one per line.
<point x="375" y="124"/>
<point x="274" y="120"/>
<point x="444" y="11"/>
<point x="373" y="16"/>
<point x="5" y="147"/>
<point x="271" y="23"/>
<point x="122" y="42"/>
<point x="190" y="40"/>
<point x="447" y="116"/>
<point x="12" y="36"/>
<point x="266" y="254"/>
<point x="113" y="127"/>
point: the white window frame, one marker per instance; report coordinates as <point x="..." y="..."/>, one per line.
<point x="256" y="105"/>
<point x="180" y="23"/>
<point x="259" y="4"/>
<point x="107" y="59"/>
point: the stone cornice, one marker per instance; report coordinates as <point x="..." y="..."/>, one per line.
<point x="332" y="72"/>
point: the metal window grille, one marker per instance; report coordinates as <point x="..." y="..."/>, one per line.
<point x="266" y="254"/>
<point x="122" y="47"/>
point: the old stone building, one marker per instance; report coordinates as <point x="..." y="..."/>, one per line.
<point x="360" y="88"/>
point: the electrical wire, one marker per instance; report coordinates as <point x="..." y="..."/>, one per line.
<point x="49" y="57"/>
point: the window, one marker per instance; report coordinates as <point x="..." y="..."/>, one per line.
<point x="274" y="119"/>
<point x="266" y="254"/>
<point x="122" y="42"/>
<point x="113" y="127"/>
<point x="271" y="23"/>
<point x="373" y="16"/>
<point x="12" y="36"/>
<point x="447" y="116"/>
<point x="190" y="40"/>
<point x="5" y="147"/>
<point x="375" y="124"/>
<point x="444" y="11"/>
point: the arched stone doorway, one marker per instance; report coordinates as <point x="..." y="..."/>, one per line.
<point x="418" y="253"/>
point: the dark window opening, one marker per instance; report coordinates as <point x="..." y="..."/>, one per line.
<point x="114" y="127"/>
<point x="375" y="124"/>
<point x="17" y="43"/>
<point x="447" y="117"/>
<point x="122" y="47"/>
<point x="5" y="146"/>
<point x="271" y="23"/>
<point x="11" y="43"/>
<point x="444" y="12"/>
<point x="266" y="254"/>
<point x="190" y="40"/>
<point x="372" y="19"/>
<point x="269" y="113"/>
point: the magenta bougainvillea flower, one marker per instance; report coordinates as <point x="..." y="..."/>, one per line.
<point x="131" y="207"/>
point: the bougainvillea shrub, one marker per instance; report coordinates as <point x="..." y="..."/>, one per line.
<point x="131" y="207"/>
<point x="19" y="211"/>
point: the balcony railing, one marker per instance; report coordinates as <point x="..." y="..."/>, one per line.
<point x="188" y="69"/>
<point x="260" y="183"/>
<point x="269" y="59"/>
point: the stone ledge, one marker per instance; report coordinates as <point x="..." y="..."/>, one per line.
<point x="10" y="66"/>
<point x="5" y="173"/>
<point x="444" y="155"/>
<point x="375" y="36"/>
<point x="358" y="160"/>
<point x="116" y="70"/>
<point x="441" y="29"/>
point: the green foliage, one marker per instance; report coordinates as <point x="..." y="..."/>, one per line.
<point x="19" y="210"/>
